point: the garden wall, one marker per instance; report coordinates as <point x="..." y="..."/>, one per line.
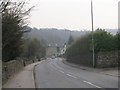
<point x="12" y="67"/>
<point x="102" y="59"/>
<point x="107" y="59"/>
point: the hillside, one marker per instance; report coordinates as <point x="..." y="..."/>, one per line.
<point x="55" y="36"/>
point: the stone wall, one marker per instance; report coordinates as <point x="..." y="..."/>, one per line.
<point x="12" y="67"/>
<point x="107" y="59"/>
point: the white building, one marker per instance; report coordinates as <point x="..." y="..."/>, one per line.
<point x="63" y="50"/>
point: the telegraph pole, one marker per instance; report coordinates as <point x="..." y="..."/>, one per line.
<point x="92" y="34"/>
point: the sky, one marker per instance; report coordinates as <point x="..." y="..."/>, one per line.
<point x="74" y="14"/>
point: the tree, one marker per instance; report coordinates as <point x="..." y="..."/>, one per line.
<point x="79" y="46"/>
<point x="14" y="18"/>
<point x="117" y="38"/>
<point x="71" y="40"/>
<point x="103" y="41"/>
<point x="33" y="48"/>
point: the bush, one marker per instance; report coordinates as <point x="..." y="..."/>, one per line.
<point x="81" y="51"/>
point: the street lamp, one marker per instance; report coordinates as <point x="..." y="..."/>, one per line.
<point x="92" y="34"/>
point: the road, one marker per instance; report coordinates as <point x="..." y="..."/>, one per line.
<point x="53" y="73"/>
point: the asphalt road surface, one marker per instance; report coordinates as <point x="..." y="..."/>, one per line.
<point x="53" y="73"/>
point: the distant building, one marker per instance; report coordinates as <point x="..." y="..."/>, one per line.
<point x="55" y="50"/>
<point x="50" y="51"/>
<point x="63" y="50"/>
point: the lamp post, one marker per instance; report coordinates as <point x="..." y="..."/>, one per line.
<point x="92" y="34"/>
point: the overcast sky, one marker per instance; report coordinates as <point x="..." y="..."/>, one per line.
<point x="74" y="14"/>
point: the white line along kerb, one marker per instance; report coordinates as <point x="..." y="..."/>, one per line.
<point x="92" y="84"/>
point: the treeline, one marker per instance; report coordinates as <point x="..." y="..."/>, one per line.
<point x="33" y="49"/>
<point x="81" y="50"/>
<point x="14" y="23"/>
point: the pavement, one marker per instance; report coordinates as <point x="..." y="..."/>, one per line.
<point x="53" y="73"/>
<point x="23" y="79"/>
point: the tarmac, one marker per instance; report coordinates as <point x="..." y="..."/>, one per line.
<point x="25" y="78"/>
<point x="114" y="71"/>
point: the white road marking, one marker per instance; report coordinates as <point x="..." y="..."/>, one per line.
<point x="92" y="84"/>
<point x="61" y="71"/>
<point x="71" y="75"/>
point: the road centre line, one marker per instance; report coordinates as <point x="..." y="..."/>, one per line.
<point x="61" y="71"/>
<point x="71" y="75"/>
<point x="92" y="84"/>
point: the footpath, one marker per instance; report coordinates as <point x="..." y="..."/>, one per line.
<point x="106" y="71"/>
<point x="23" y="79"/>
